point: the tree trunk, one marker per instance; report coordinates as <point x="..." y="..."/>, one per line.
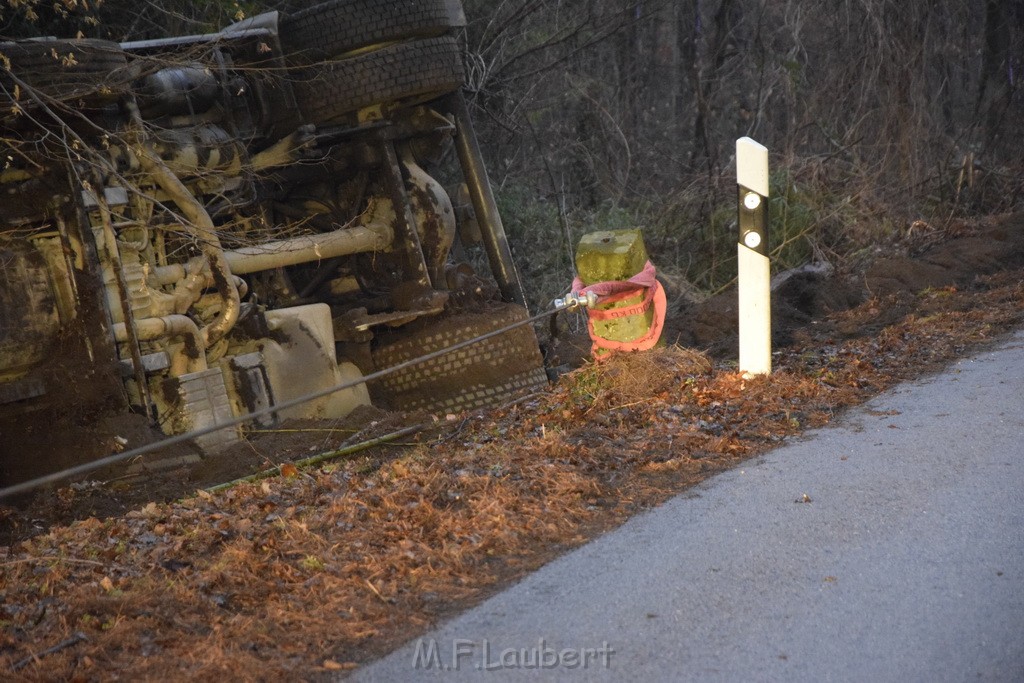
<point x="995" y="84"/>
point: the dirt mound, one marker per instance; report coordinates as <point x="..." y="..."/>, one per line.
<point x="804" y="297"/>
<point x="810" y="295"/>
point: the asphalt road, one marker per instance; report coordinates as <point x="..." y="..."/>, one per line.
<point x="906" y="564"/>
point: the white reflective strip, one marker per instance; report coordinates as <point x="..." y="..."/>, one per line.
<point x="752" y="165"/>
<point x="755" y="312"/>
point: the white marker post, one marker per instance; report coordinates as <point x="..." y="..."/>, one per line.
<point x="754" y="268"/>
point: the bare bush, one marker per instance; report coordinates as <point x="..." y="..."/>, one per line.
<point x="626" y="113"/>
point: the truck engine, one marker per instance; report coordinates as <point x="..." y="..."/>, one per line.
<point x="199" y="228"/>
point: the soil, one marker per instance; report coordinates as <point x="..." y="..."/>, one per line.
<point x="176" y="472"/>
<point x="951" y="259"/>
<point x="308" y="574"/>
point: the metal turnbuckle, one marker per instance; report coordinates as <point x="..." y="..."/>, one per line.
<point x="574" y="300"/>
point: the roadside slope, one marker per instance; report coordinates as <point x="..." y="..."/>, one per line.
<point x="887" y="547"/>
<point x="321" y="570"/>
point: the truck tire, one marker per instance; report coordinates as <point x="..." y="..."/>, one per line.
<point x="399" y="74"/>
<point x="66" y="69"/>
<point x="336" y="27"/>
<point x="473" y="377"/>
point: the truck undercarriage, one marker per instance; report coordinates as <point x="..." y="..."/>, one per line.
<point x="200" y="228"/>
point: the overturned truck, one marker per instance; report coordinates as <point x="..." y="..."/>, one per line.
<point x="200" y="228"/>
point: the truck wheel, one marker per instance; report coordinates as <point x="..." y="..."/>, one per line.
<point x="340" y="26"/>
<point x="400" y="74"/>
<point x="66" y="69"/>
<point x="473" y="377"/>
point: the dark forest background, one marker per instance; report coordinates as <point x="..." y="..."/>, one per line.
<point x="886" y="119"/>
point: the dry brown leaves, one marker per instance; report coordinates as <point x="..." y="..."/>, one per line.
<point x="304" y="576"/>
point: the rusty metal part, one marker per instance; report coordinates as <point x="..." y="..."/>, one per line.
<point x="499" y="255"/>
<point x="435" y="217"/>
<point x="416" y="265"/>
<point x="356" y="321"/>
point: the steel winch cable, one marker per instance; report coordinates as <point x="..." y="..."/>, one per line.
<point x="567" y="303"/>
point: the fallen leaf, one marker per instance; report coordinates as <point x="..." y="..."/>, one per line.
<point x="289" y="470"/>
<point x="332" y="665"/>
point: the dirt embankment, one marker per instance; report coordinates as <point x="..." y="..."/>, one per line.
<point x="952" y="259"/>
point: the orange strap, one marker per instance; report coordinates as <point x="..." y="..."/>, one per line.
<point x="625" y="312"/>
<point x="643" y="283"/>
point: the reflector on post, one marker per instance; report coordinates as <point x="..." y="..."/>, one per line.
<point x="754" y="272"/>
